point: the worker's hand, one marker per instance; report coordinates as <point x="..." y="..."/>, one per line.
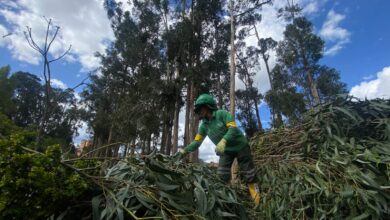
<point x="220" y="149"/>
<point x="181" y="153"/>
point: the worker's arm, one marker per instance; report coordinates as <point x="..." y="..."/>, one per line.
<point x="233" y="130"/>
<point x="198" y="139"/>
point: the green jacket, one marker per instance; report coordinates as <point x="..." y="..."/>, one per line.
<point x="222" y="125"/>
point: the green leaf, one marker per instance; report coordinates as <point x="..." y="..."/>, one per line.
<point x="346" y="112"/>
<point x="95" y="207"/>
<point x="201" y="199"/>
<point x="166" y="187"/>
<point x="362" y="216"/>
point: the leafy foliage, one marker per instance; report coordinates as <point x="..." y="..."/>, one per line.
<point x="23" y="103"/>
<point x="163" y="187"/>
<point x="335" y="165"/>
<point x="33" y="184"/>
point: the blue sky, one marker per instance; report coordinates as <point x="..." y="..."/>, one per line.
<point x="368" y="51"/>
<point x="356" y="33"/>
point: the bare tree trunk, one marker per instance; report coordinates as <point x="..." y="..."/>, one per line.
<point x="194" y="122"/>
<point x="176" y="128"/>
<point x="234" y="169"/>
<point x="109" y="149"/>
<point x="219" y="87"/>
<point x="265" y="58"/>
<point x="312" y="85"/>
<point x="183" y="8"/>
<point x="187" y="117"/>
<point x="232" y="58"/>
<point x="148" y="144"/>
<point x="132" y="148"/>
<point x="163" y="137"/>
<point x="168" y="145"/>
<point x="313" y="90"/>
<point x="258" y="115"/>
<point x="125" y="150"/>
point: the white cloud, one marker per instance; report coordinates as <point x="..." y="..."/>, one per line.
<point x="83" y="133"/>
<point x="4" y="39"/>
<point x="84" y="25"/>
<point x="58" y="83"/>
<point x="376" y="88"/>
<point x="311" y="8"/>
<point x="333" y="33"/>
<point x="369" y="77"/>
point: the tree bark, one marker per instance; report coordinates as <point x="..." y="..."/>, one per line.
<point x="187" y="117"/>
<point x="313" y="89"/>
<point x="312" y="85"/>
<point x="258" y="115"/>
<point x="194" y="123"/>
<point x="265" y="58"/>
<point x="132" y="148"/>
<point x="163" y="136"/>
<point x="232" y="58"/>
<point x="176" y="128"/>
<point x="234" y="169"/>
<point x="219" y="87"/>
<point x="148" y="144"/>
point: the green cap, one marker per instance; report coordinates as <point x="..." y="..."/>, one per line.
<point x="205" y="99"/>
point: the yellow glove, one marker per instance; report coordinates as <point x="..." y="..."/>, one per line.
<point x="181" y="153"/>
<point x="220" y="149"/>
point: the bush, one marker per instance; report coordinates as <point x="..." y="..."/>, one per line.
<point x="33" y="185"/>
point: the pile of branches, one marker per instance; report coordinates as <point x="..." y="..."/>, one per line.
<point x="334" y="165"/>
<point x="161" y="187"/>
<point x="52" y="185"/>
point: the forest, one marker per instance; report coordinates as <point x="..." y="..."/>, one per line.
<point x="323" y="155"/>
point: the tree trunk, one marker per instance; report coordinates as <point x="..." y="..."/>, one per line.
<point x="232" y="79"/>
<point x="132" y="148"/>
<point x="163" y="137"/>
<point x="273" y="114"/>
<point x="125" y="150"/>
<point x="265" y="58"/>
<point x="168" y="145"/>
<point x="176" y="128"/>
<point x="258" y="115"/>
<point x="219" y="87"/>
<point x="109" y="148"/>
<point x="193" y="123"/>
<point x="232" y="58"/>
<point x="183" y="8"/>
<point x="313" y="89"/>
<point x="187" y="117"/>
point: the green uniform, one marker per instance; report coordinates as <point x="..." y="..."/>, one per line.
<point x="222" y="125"/>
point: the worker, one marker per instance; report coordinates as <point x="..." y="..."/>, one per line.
<point x="220" y="127"/>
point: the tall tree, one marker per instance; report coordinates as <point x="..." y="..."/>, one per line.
<point x="6" y="105"/>
<point x="329" y="84"/>
<point x="284" y="97"/>
<point x="44" y="51"/>
<point x="28" y="98"/>
<point x="247" y="68"/>
<point x="300" y="52"/>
